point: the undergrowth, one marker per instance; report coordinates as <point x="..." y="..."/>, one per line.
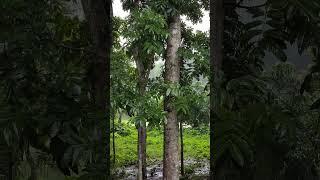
<point x="196" y="144"/>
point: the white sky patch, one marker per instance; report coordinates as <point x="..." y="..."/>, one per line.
<point x="203" y="26"/>
<point x="118" y="10"/>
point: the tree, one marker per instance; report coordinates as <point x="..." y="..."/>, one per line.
<point x="123" y="75"/>
<point x="216" y="59"/>
<point x="143" y="68"/>
<point x="99" y="17"/>
<point x="172" y="75"/>
<point x="171" y="10"/>
<point x="192" y="99"/>
<point x="146" y="33"/>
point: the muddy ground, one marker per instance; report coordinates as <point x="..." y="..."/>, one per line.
<point x="193" y="170"/>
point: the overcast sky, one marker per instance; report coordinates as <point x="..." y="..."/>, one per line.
<point x="300" y="61"/>
<point x="203" y="26"/>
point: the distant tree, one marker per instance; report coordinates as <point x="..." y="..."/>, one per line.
<point x="146" y="33"/>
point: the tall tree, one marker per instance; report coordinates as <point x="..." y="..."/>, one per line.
<point x="146" y="33"/>
<point x="172" y="76"/>
<point x="98" y="13"/>
<point x="171" y="10"/>
<point x="143" y="75"/>
<point x="143" y="68"/>
<point x="216" y="58"/>
<point x="142" y="126"/>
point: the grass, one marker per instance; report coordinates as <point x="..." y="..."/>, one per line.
<point x="196" y="145"/>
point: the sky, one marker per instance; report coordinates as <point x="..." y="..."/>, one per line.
<point x="301" y="61"/>
<point x="202" y="26"/>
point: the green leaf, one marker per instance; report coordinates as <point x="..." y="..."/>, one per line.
<point x="168" y="92"/>
<point x="315" y="105"/>
<point x="280" y="54"/>
<point x="253" y="24"/>
<point x="237" y="155"/>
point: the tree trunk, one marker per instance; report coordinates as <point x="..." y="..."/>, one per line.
<point x="142" y="127"/>
<point x="35" y="173"/>
<point x="11" y="169"/>
<point x="113" y="138"/>
<point x="269" y="161"/>
<point x="34" y="168"/>
<point x="99" y="16"/>
<point x="181" y="149"/>
<point x="142" y="155"/>
<point x="172" y="76"/>
<point x="120" y="116"/>
<point x="142" y="136"/>
<point x="143" y="72"/>
<point x="142" y="148"/>
<point x="216" y="58"/>
<point x="10" y="174"/>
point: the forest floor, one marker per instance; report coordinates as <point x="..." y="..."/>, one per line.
<point x="196" y="152"/>
<point x="193" y="170"/>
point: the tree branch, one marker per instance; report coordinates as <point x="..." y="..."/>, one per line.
<point x="239" y="3"/>
<point x="79" y="49"/>
<point x="248" y="7"/>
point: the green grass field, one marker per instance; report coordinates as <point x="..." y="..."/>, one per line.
<point x="196" y="145"/>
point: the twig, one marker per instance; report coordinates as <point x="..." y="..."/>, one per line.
<point x="80" y="49"/>
<point x="239" y="3"/>
<point x="248" y="7"/>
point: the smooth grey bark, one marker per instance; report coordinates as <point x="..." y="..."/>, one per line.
<point x="98" y="14"/>
<point x="216" y="58"/>
<point x="172" y="76"/>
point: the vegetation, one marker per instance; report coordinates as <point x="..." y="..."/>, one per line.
<point x="196" y="145"/>
<point x="84" y="95"/>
